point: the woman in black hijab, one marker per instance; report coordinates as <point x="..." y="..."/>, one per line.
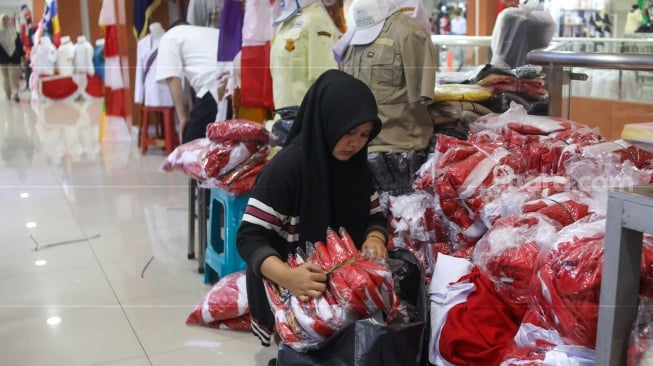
<point x="320" y="179"/>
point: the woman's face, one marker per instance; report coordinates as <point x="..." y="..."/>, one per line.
<point x="5" y="22"/>
<point x="353" y="141"/>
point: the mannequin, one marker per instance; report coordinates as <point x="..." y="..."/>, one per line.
<point x="304" y="40"/>
<point x="156" y="30"/>
<point x="83" y="57"/>
<point x="44" y="57"/>
<point x="82" y="62"/>
<point x="65" y="56"/>
<point x="146" y="90"/>
<point x="393" y="54"/>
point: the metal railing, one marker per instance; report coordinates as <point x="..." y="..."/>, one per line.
<point x="562" y="55"/>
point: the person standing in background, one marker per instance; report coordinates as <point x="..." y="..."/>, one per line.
<point x="204" y="13"/>
<point x="11" y="54"/>
<point x="189" y="52"/>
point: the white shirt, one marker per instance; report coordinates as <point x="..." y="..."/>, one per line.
<point x="83" y="57"/>
<point x="257" y="22"/>
<point x="146" y="89"/>
<point x="459" y="25"/>
<point x="190" y="51"/>
<point x="65" y="56"/>
<point x="44" y="57"/>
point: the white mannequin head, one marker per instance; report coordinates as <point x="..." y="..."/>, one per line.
<point x="99" y="42"/>
<point x="81" y="39"/>
<point x="65" y="39"/>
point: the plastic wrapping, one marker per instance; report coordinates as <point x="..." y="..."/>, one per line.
<point x="372" y="342"/>
<point x="567" y="283"/>
<point x="417" y="227"/>
<point x="224" y="306"/>
<point x="394" y="173"/>
<point x="507" y="254"/>
<point x="518" y="31"/>
<point x="239" y="130"/>
<point x="357" y="288"/>
<point x="640" y="350"/>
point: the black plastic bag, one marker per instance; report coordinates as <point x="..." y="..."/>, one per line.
<point x="394" y="173"/>
<point x="369" y="342"/>
<point x="281" y="127"/>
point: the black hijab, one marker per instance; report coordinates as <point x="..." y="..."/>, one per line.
<point x="334" y="193"/>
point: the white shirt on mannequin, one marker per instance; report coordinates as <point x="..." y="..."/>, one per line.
<point x="146" y="90"/>
<point x="83" y="56"/>
<point x="65" y="56"/>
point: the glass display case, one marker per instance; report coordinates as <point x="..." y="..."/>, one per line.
<point x="584" y="76"/>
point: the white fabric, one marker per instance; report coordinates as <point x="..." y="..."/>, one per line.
<point x="257" y="22"/>
<point x="191" y="52"/>
<point x="147" y="90"/>
<point x="444" y="297"/>
<point x="113" y="76"/>
<point x="44" y="58"/>
<point x="570" y="356"/>
<point x="107" y="13"/>
<point x="65" y="56"/>
<point x="83" y="57"/>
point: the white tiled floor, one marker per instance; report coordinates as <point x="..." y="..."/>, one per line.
<point x="101" y="212"/>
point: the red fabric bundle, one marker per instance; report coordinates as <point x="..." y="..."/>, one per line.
<point x="225" y="305"/>
<point x="356" y="288"/>
<point x="59" y="88"/>
<point x="480" y="330"/>
<point x="95" y="86"/>
<point x="237" y="130"/>
<point x="567" y="283"/>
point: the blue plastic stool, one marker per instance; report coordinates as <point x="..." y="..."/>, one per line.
<point x="222" y="257"/>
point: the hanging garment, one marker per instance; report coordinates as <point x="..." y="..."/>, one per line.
<point x="399" y="67"/>
<point x="147" y="90"/>
<point x="300" y="52"/>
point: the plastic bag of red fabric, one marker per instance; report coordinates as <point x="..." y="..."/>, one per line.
<point x="226" y="301"/>
<point x="416" y="226"/>
<point x="239" y="130"/>
<point x="507" y="255"/>
<point x="646" y="268"/>
<point x="188" y="158"/>
<point x="242" y="323"/>
<point x="640" y="350"/>
<point x="227" y="157"/>
<point x="240" y="180"/>
<point x="567" y="282"/>
<point x="356" y="288"/>
<point x="371" y="341"/>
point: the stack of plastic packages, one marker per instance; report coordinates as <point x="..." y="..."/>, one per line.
<point x="357" y="288"/>
<point x="229" y="157"/>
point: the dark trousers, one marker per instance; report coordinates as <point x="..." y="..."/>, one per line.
<point x="203" y="112"/>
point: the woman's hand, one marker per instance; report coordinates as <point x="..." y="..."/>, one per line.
<point x="306" y="281"/>
<point x="374" y="245"/>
